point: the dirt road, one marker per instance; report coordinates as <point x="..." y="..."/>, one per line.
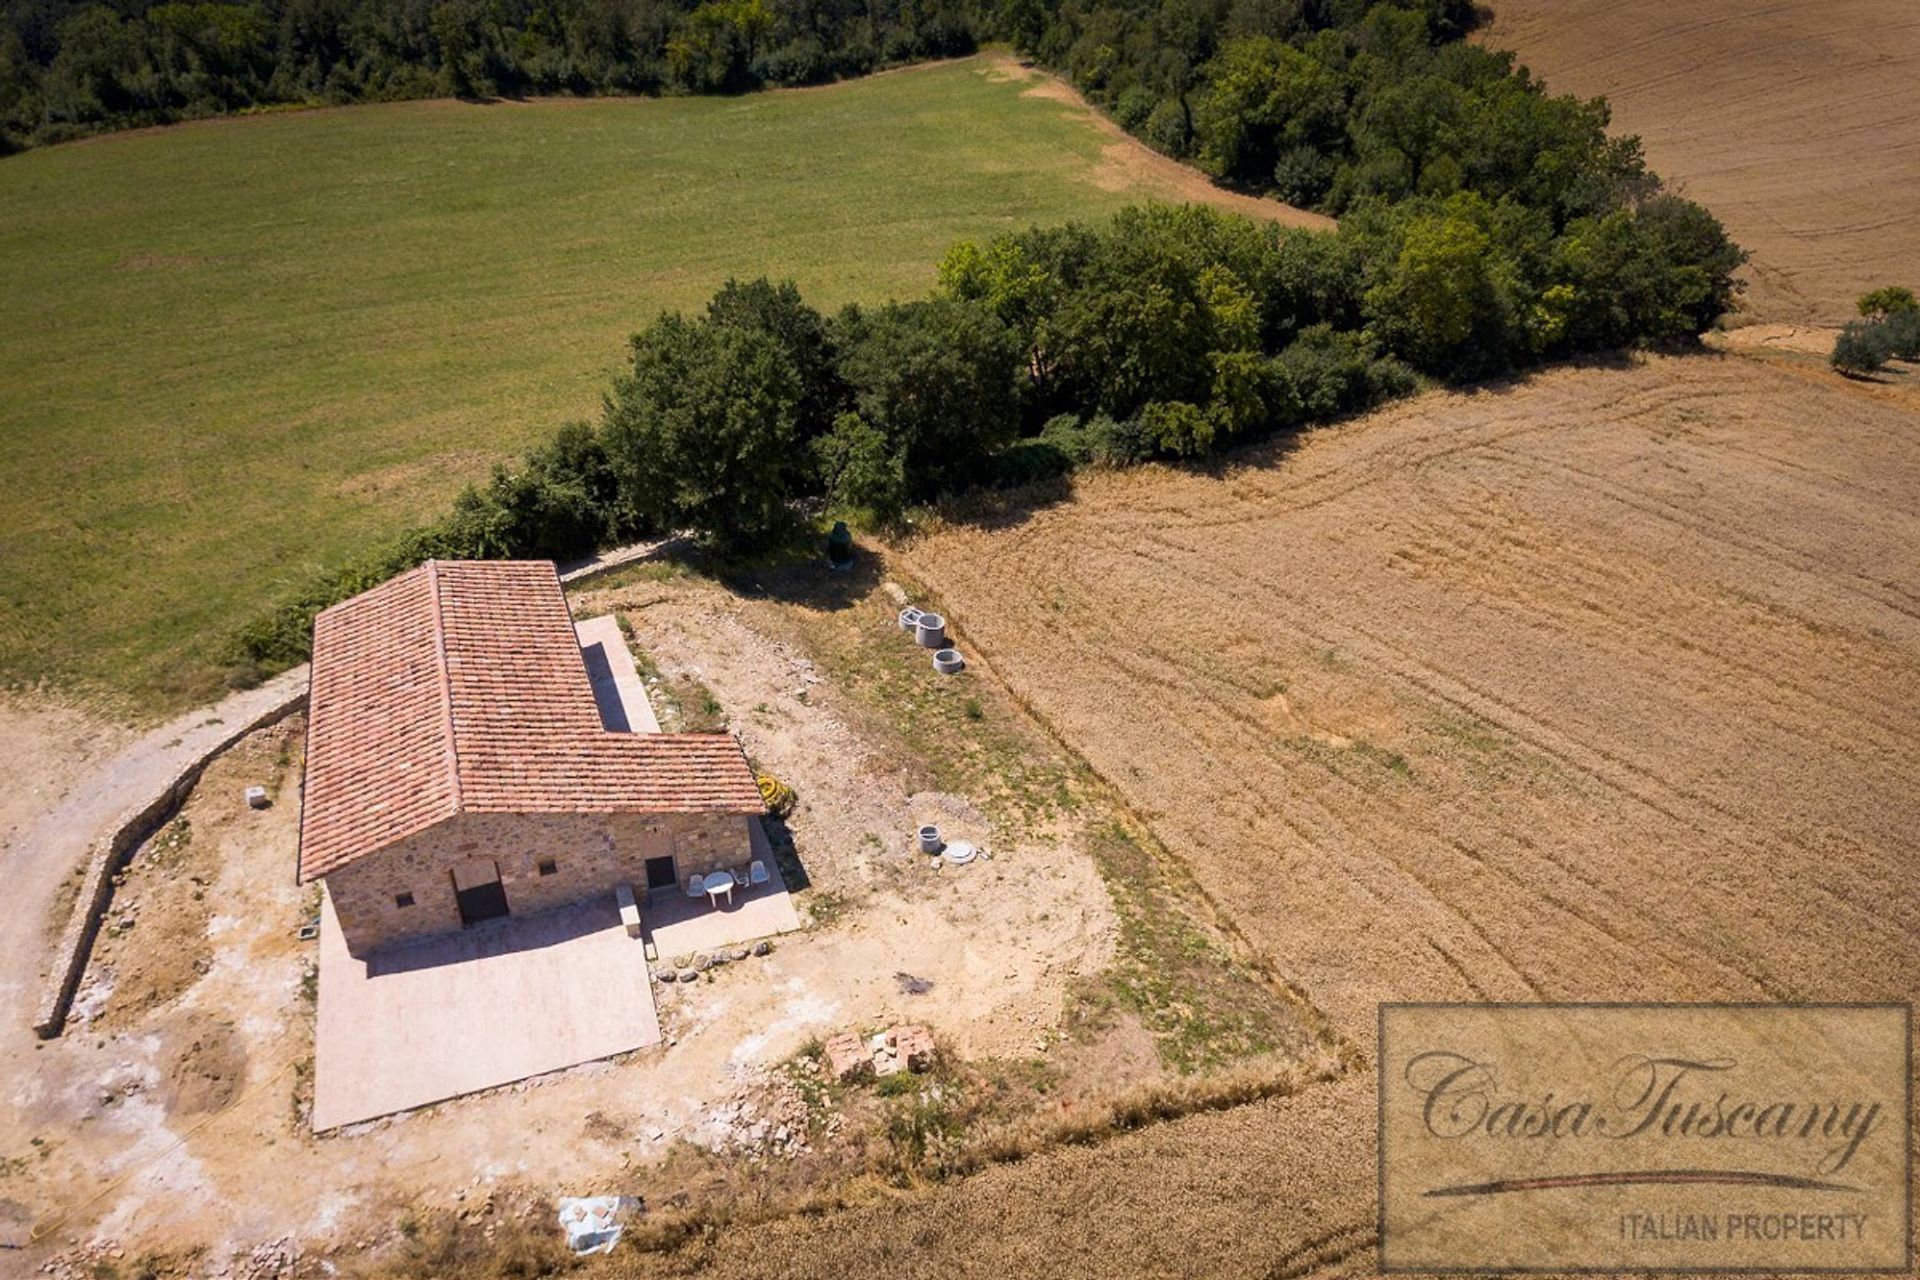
<point x="81" y="775"/>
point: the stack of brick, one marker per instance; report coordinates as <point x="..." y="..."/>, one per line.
<point x="912" y="1045"/>
<point x="847" y="1057"/>
<point x="908" y="1047"/>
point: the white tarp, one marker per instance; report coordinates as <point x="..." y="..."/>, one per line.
<point x="593" y="1223"/>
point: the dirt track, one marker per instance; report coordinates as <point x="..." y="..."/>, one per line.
<point x="1605" y="686"/>
<point x="1794" y="122"/>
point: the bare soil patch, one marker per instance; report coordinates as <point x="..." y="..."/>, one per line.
<point x="209" y="1067"/>
<point x="171" y="1118"/>
<point x="1793" y="122"/>
<point x="161" y="898"/>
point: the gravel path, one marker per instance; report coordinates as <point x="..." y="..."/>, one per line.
<point x="46" y="849"/>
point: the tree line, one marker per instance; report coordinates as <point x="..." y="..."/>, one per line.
<point x="73" y="67"/>
<point x="1170" y="332"/>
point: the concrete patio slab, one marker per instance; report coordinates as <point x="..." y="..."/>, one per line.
<point x="493" y="1004"/>
<point x="617" y="687"/>
<point x="679" y="925"/>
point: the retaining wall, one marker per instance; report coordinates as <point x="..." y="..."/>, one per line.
<point x="109" y="854"/>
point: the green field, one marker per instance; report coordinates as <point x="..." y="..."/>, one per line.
<point x="239" y="350"/>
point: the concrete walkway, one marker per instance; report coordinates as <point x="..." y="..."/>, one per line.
<point x="46" y="852"/>
<point x="617" y="686"/>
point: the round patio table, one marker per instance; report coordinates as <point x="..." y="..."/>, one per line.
<point x="716" y="884"/>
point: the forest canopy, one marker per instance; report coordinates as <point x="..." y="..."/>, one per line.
<point x="1169" y="332"/>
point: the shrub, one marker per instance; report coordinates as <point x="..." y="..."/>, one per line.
<point x="1861" y="348"/>
<point x="1902" y="329"/>
<point x="1889" y="300"/>
<point x="1302" y="175"/>
<point x="1026" y="462"/>
<point x="1325" y="373"/>
<point x="1177" y="428"/>
<point x="1100" y="440"/>
<point x="1064" y="433"/>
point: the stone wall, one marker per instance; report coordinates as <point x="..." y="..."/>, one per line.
<point x="589" y="854"/>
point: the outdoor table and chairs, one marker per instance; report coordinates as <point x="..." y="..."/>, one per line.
<point x="717" y="883"/>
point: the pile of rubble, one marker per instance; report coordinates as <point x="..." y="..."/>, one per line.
<point x="84" y="1262"/>
<point x="767" y="1116"/>
<point x="272" y="1260"/>
<point x="690" y="968"/>
<point x="267" y="1261"/>
<point x="908" y="1047"/>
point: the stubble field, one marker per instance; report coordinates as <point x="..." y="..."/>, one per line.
<point x="1793" y="122"/>
<point x="1602" y="685"/>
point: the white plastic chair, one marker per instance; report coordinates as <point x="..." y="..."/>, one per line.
<point x="757" y="872"/>
<point x="696" y="887"/>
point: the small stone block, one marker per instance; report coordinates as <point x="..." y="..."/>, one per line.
<point x="629" y="909"/>
<point x="256" y="797"/>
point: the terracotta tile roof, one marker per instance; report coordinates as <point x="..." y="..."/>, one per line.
<point x="459" y="686"/>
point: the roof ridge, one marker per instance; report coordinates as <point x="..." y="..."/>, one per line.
<point x="445" y="677"/>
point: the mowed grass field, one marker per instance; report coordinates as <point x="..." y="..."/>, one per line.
<point x="1602" y="685"/>
<point x="239" y="350"/>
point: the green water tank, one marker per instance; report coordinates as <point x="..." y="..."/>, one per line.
<point x="840" y="545"/>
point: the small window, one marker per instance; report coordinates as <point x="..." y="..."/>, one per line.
<point x="548" y="866"/>
<point x="402" y="899"/>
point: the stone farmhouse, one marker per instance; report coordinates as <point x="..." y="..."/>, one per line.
<point x="458" y="768"/>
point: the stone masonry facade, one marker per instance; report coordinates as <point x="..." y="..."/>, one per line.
<point x="587" y="854"/>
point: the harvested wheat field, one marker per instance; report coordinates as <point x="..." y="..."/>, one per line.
<point x="1600" y="685"/>
<point x="1794" y="122"/>
<point x="1603" y="685"/>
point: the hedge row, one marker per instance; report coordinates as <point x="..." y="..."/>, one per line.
<point x="1172" y="332"/>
